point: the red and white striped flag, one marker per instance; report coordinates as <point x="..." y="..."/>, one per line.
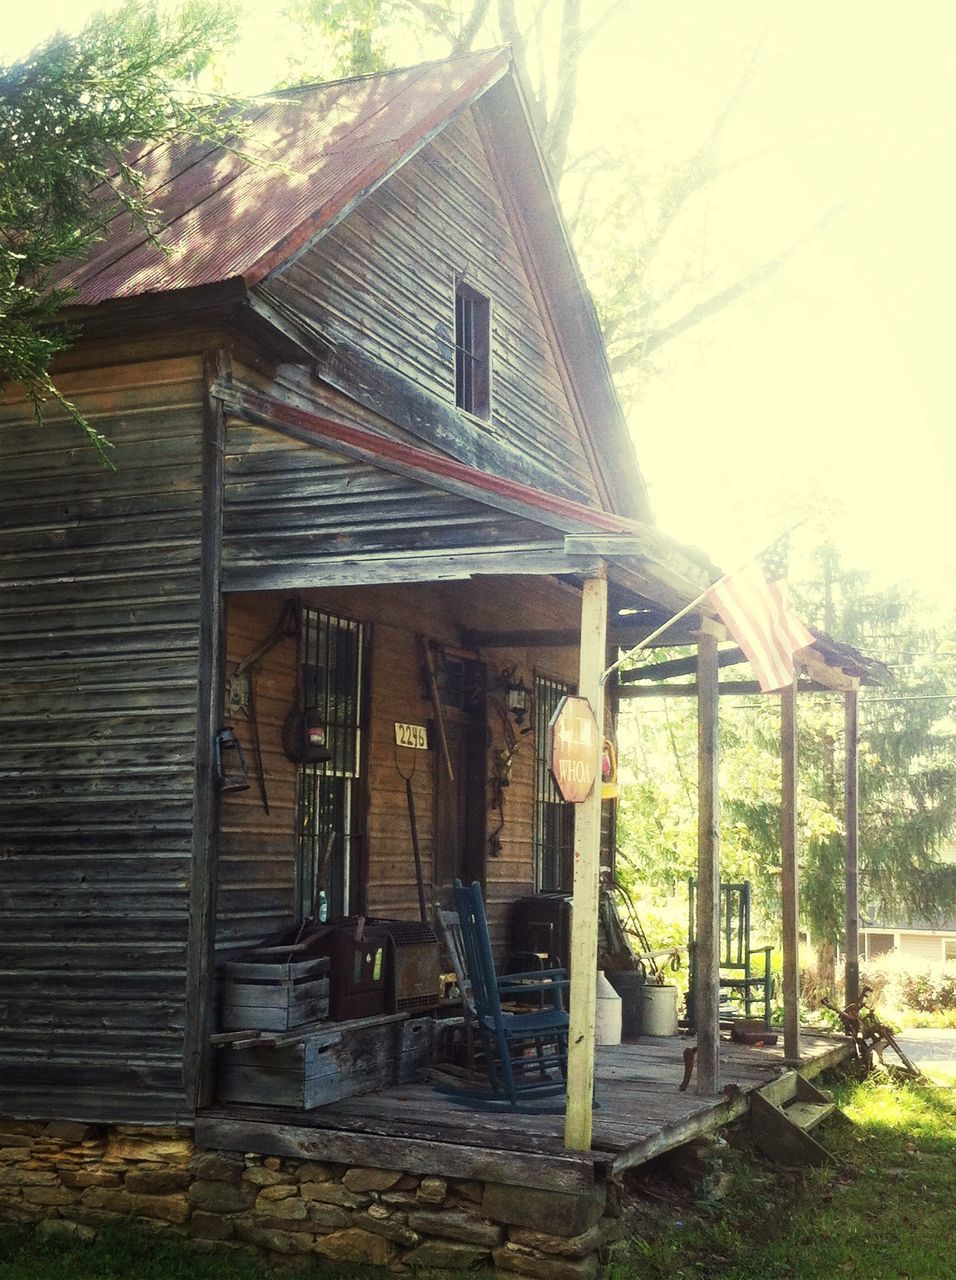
<point x="760" y="620"/>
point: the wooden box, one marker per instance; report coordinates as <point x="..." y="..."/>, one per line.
<point x="267" y="995"/>
<point x="342" y="1060"/>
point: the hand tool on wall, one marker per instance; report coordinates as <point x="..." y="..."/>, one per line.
<point x="429" y="660"/>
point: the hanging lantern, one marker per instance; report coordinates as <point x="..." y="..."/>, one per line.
<point x="230" y="762"/>
<point x="517" y="697"/>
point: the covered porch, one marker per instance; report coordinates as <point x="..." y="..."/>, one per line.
<point x="417" y="1126"/>
<point x="437" y="580"/>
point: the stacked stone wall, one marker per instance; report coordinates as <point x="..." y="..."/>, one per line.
<point x="74" y="1178"/>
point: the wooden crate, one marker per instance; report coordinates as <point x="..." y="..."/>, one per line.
<point x="323" y="1066"/>
<point x="266" y="995"/>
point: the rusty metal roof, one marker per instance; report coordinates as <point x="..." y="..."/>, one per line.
<point x="323" y="146"/>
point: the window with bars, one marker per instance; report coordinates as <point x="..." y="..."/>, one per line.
<point x="553" y="817"/>
<point x="472" y="351"/>
<point x="332" y="657"/>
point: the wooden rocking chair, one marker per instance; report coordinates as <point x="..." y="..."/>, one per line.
<point x="521" y="1050"/>
<point x="744" y="970"/>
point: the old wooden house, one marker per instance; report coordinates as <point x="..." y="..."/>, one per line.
<point x="367" y="453"/>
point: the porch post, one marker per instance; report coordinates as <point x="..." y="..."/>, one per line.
<point x="789" y="887"/>
<point x="587" y="871"/>
<point x="707" y="926"/>
<point x="852" y="845"/>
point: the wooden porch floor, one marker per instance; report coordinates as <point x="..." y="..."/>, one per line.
<point x="423" y="1129"/>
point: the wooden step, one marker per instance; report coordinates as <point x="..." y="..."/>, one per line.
<point x="783" y="1113"/>
<point x="807" y="1115"/>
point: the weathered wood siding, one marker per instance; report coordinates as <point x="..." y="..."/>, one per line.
<point x="294" y="512"/>
<point x="256" y="892"/>
<point x="99" y="576"/>
<point x="256" y="861"/>
<point x="383" y="281"/>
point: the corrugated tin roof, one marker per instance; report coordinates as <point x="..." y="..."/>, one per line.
<point x="225" y="217"/>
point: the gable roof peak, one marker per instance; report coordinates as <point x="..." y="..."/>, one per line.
<point x="324" y="147"/>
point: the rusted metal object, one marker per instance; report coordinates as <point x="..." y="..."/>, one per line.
<point x="690" y="1057"/>
<point x="870" y="1036"/>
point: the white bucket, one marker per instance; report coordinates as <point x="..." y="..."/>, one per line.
<point x="659" y="1010"/>
<point x="607" y="1018"/>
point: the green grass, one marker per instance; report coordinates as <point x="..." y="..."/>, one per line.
<point x="123" y="1252"/>
<point x="888" y="1212"/>
<point x="128" y="1251"/>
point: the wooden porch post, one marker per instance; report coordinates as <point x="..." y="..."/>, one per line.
<point x="707" y="926"/>
<point x="852" y="846"/>
<point x="587" y="872"/>
<point x="789" y="888"/>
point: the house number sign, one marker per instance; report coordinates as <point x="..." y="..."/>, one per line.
<point x="411" y="735"/>
<point x="575" y="748"/>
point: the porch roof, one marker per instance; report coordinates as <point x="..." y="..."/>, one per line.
<point x="442" y="538"/>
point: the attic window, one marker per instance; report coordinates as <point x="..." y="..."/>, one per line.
<point x="472" y="351"/>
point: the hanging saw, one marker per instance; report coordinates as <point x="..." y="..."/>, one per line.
<point x="240" y="688"/>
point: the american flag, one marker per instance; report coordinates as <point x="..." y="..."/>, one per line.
<point x="757" y="615"/>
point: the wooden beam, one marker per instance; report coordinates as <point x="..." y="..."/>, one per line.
<point x="852" y="844"/>
<point x="680" y="666"/>
<point x="707" y="956"/>
<point x="816" y="666"/>
<point x="454" y="1160"/>
<point x="587" y="871"/>
<point x="200" y="962"/>
<point x="725" y="688"/>
<point x="377" y="570"/>
<point x="621" y="636"/>
<point x="789" y="887"/>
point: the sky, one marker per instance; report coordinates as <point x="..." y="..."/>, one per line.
<point x="832" y="382"/>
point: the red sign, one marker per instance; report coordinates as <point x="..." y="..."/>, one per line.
<point x="575" y="748"/>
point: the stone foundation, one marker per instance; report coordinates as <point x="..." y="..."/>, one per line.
<point x="72" y="1178"/>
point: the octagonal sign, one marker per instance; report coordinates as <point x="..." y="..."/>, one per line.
<point x="575" y="748"/>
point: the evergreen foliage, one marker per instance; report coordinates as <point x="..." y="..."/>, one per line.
<point x="68" y="113"/>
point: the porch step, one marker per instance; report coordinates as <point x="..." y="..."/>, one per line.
<point x="807" y="1115"/>
<point x="782" y="1115"/>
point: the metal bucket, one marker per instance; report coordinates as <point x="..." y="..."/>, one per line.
<point x="607" y="1021"/>
<point x="658" y="1010"/>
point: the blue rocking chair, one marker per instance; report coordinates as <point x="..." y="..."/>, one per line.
<point x="521" y="1050"/>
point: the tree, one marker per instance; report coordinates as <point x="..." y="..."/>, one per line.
<point x="67" y="115"/>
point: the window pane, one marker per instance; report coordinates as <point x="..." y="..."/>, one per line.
<point x="332" y="656"/>
<point x="472" y="351"/>
<point x="553" y="817"/>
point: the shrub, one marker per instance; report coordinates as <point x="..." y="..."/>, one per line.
<point x="903" y="984"/>
<point x="931" y="991"/>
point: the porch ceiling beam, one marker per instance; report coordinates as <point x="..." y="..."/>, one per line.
<point x="680" y="666"/>
<point x="736" y="687"/>
<point x="568" y="638"/>
<point x="371" y="571"/>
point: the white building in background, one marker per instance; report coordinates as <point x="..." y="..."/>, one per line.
<point x="921" y="940"/>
